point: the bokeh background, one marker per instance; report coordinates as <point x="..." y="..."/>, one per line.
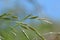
<point x="49" y="9"/>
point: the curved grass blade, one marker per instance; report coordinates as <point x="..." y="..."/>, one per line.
<point x="13" y="33"/>
<point x="25" y="34"/>
<point x="42" y="38"/>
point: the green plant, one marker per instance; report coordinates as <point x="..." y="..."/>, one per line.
<point x="19" y="29"/>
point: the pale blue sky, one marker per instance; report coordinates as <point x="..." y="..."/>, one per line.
<point x="50" y="7"/>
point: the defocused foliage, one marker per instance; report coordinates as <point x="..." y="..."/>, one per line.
<point x="23" y="24"/>
<point x="11" y="28"/>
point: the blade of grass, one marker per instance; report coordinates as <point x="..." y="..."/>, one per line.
<point x="25" y="34"/>
<point x="42" y="38"/>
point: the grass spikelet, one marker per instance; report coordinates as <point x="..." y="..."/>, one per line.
<point x="33" y="17"/>
<point x="6" y="18"/>
<point x="45" y="20"/>
<point x="23" y="25"/>
<point x="26" y="17"/>
<point x="14" y="17"/>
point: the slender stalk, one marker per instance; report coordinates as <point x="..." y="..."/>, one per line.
<point x="25" y="34"/>
<point x="42" y="38"/>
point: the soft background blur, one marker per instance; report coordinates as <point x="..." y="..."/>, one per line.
<point x="43" y="8"/>
<point x="49" y="9"/>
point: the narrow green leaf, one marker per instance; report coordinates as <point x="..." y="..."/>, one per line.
<point x="25" y="34"/>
